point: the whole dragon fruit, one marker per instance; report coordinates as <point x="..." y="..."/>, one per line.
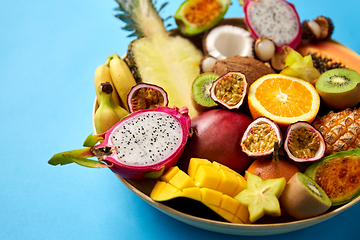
<point x="142" y="145"/>
<point x="275" y="19"/>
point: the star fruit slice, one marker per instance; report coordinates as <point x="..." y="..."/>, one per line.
<point x="262" y="197"/>
<point x="298" y="66"/>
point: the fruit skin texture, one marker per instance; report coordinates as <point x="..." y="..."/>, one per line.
<point x="216" y="136"/>
<point x="196" y="16"/>
<point x="268" y="10"/>
<point x="299" y="202"/>
<point x="338" y="175"/>
<point x="108" y="154"/>
<point x="340" y="130"/>
<point x="340" y="55"/>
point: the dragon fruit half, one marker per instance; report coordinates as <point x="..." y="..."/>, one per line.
<point x="142" y="145"/>
<point x="275" y="19"/>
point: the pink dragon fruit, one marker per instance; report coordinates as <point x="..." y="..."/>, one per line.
<point x="275" y="19"/>
<point x="142" y="145"/>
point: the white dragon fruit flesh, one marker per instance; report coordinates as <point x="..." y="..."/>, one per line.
<point x="142" y="145"/>
<point x="275" y="19"/>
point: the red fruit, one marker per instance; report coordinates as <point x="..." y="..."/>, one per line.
<point x="273" y="167"/>
<point x="216" y="136"/>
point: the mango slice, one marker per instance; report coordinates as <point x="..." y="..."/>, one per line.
<point x="210" y="183"/>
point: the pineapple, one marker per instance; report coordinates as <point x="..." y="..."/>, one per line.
<point x="341" y="130"/>
<point x="171" y="62"/>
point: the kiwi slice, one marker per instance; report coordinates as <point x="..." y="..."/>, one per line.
<point x="304" y="198"/>
<point x="339" y="88"/>
<point x="201" y="90"/>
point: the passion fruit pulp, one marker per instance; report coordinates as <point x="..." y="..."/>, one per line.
<point x="259" y="137"/>
<point x="229" y="90"/>
<point x="304" y="143"/>
<point x="146" y="96"/>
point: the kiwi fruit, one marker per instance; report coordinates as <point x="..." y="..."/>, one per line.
<point x="201" y="91"/>
<point x="339" y="88"/>
<point x="303" y="198"/>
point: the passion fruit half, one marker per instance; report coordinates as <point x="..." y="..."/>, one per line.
<point x="259" y="138"/>
<point x="146" y="96"/>
<point x="304" y="143"/>
<point x="229" y="90"/>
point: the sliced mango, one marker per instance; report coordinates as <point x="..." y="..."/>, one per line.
<point x="211" y="183"/>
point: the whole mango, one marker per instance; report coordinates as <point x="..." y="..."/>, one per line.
<point x="216" y="136"/>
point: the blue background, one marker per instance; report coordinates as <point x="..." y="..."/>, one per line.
<point x="48" y="54"/>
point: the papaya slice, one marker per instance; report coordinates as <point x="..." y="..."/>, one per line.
<point x="330" y="54"/>
<point x="338" y="175"/>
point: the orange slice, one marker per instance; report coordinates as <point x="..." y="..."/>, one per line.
<point x="283" y="99"/>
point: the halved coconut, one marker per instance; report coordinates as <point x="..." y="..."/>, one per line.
<point x="259" y="138"/>
<point x="226" y="41"/>
<point x="304" y="143"/>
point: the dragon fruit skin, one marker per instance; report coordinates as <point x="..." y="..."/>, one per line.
<point x="256" y="33"/>
<point x="171" y="126"/>
<point x="137" y="172"/>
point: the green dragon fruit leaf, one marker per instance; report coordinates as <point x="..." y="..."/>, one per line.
<point x="79" y="156"/>
<point x="91" y="140"/>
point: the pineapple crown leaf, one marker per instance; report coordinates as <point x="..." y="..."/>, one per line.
<point x="127" y="15"/>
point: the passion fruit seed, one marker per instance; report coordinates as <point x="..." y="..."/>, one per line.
<point x="147" y="98"/>
<point x="230" y="90"/>
<point x="303" y="143"/>
<point x="261" y="138"/>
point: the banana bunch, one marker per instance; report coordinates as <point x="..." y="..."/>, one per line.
<point x="113" y="81"/>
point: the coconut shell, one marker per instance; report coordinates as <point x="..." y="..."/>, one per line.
<point x="252" y="68"/>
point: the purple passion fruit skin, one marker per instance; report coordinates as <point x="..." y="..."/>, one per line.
<point x="304" y="143"/>
<point x="229" y="90"/>
<point x="259" y="137"/>
<point x="338" y="175"/>
<point x="146" y="96"/>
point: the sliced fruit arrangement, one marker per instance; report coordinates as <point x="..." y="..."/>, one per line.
<point x="211" y="183"/>
<point x="201" y="91"/>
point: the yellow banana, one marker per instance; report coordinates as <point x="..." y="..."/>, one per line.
<point x="108" y="112"/>
<point x="102" y="75"/>
<point x="122" y="78"/>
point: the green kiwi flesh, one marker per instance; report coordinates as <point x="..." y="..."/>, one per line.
<point x="339" y="88"/>
<point x="201" y="90"/>
<point x="303" y="198"/>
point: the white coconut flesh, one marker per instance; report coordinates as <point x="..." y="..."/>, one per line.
<point x="146" y="139"/>
<point x="227" y="41"/>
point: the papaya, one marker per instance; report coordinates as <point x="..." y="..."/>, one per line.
<point x="338" y="175"/>
<point x="330" y="54"/>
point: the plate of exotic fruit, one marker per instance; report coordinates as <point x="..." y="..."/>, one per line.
<point x="244" y="126"/>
